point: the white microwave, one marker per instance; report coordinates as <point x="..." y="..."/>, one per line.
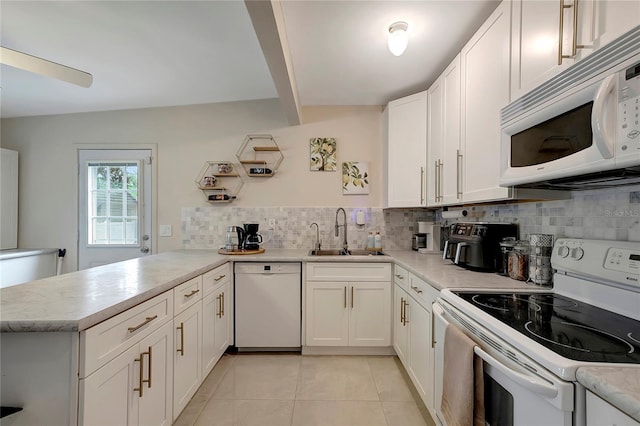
<point x="580" y="129"/>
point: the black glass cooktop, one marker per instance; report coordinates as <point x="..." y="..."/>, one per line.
<point x="570" y="328"/>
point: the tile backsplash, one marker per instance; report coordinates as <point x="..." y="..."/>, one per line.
<point x="611" y="214"/>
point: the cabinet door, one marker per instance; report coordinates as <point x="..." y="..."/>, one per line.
<point x="107" y="396"/>
<point x="450" y="170"/>
<point x="535" y="43"/>
<point x="210" y="310"/>
<point x="186" y="356"/>
<point x="400" y="326"/>
<point x="222" y="320"/>
<point x="485" y="90"/>
<point x="420" y="362"/>
<point x="407" y="156"/>
<point x="611" y="19"/>
<point x="370" y="314"/>
<point x="327" y="315"/>
<point x="435" y="141"/>
<point x="155" y="404"/>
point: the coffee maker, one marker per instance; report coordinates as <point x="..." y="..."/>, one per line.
<point x="248" y="237"/>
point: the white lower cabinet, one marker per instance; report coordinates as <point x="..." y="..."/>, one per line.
<point x="413" y="332"/>
<point x="187" y="370"/>
<point x="216" y="317"/>
<point x="135" y="387"/>
<point x="601" y="413"/>
<point x="400" y="324"/>
<point x="355" y="311"/>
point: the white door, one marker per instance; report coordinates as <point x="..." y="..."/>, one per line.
<point x="114" y="217"/>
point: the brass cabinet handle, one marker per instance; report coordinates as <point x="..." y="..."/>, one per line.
<point x="416" y="289"/>
<point x="574" y="45"/>
<point x="435" y="180"/>
<point x="147" y="381"/>
<point x="139" y="389"/>
<point x="181" y="349"/>
<point x="400" y="277"/>
<point x="222" y="304"/>
<point x="345" y="297"/>
<point x="458" y="174"/>
<point x="196" y="291"/>
<point x="421" y="185"/>
<point x="561" y="32"/>
<point x="402" y="310"/>
<point x="220" y="277"/>
<point x="351" y="297"/>
<point x="142" y="324"/>
<point x="406" y="303"/>
<point x="219" y="299"/>
<point x="433" y="337"/>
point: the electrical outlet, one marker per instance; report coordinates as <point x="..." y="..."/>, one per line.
<point x="272" y="224"/>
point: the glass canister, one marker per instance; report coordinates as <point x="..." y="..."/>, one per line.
<point x="506" y="245"/>
<point x="519" y="261"/>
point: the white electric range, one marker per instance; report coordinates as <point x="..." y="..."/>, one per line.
<point x="533" y="342"/>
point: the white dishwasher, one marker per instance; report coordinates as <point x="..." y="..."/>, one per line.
<point x="268" y="305"/>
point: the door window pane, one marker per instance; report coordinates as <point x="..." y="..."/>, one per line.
<point x="113" y="203"/>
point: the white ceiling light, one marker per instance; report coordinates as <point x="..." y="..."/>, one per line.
<point x="398" y="40"/>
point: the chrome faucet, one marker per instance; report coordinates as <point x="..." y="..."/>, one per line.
<point x="345" y="244"/>
<point x="318" y="244"/>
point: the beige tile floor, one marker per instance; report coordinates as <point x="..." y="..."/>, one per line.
<point x="295" y="390"/>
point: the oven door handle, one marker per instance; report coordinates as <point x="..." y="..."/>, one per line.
<point x="529" y="382"/>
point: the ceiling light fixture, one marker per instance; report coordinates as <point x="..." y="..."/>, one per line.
<point x="398" y="40"/>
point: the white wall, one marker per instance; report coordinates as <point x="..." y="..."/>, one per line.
<point x="185" y="137"/>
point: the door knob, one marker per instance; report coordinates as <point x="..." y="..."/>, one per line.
<point x="144" y="249"/>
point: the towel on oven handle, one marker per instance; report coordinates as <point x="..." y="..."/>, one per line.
<point x="463" y="381"/>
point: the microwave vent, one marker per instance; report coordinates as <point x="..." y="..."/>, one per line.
<point x="593" y="65"/>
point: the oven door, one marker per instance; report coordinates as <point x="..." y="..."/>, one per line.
<point x="513" y="394"/>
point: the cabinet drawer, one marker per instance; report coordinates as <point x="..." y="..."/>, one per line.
<point x="401" y="276"/>
<point x="348" y="271"/>
<point x="103" y="342"/>
<point x="422" y="292"/>
<point x="187" y="294"/>
<point x="214" y="278"/>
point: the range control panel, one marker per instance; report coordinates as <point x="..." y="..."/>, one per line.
<point x="617" y="261"/>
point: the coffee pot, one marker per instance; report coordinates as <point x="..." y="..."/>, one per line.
<point x="244" y="237"/>
<point x="252" y="239"/>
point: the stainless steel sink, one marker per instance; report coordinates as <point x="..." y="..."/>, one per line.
<point x="338" y="252"/>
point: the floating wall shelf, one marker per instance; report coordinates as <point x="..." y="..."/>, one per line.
<point x="259" y="155"/>
<point x="219" y="181"/>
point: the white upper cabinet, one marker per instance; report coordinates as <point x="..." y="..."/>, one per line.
<point x="540" y="30"/>
<point x="485" y="90"/>
<point x="611" y="19"/>
<point x="444" y="168"/>
<point x="435" y="140"/>
<point x="407" y="151"/>
<point x="536" y="41"/>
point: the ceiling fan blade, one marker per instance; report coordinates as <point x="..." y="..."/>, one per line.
<point x="30" y="63"/>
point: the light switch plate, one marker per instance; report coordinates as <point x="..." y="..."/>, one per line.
<point x="165" y="230"/>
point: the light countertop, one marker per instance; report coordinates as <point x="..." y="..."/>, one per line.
<point x="620" y="386"/>
<point x="79" y="300"/>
